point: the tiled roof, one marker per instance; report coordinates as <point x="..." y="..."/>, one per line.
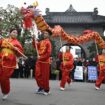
<point x="74" y="18"/>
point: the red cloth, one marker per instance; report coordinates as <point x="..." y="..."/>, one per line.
<point x="43" y="64"/>
<point x="87" y="31"/>
<point x="8" y="62"/>
<point x="8" y="54"/>
<point x="100" y="79"/>
<point x="101" y="60"/>
<point x="60" y="55"/>
<point x="101" y="68"/>
<point x="68" y="61"/>
<point x="27" y="20"/>
<point x="66" y="67"/>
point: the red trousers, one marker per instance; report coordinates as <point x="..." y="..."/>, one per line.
<point x="65" y="78"/>
<point x="5" y="74"/>
<point x="42" y="75"/>
<point x="100" y="79"/>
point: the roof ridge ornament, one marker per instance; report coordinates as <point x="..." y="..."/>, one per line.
<point x="70" y="9"/>
<point x="95" y="13"/>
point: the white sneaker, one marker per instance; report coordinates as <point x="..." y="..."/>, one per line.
<point x="97" y="88"/>
<point x="5" y="96"/>
<point x="46" y="93"/>
<point x="61" y="88"/>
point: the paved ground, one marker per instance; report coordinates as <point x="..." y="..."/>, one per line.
<point x="79" y="93"/>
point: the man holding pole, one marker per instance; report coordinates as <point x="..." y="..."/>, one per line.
<point x="42" y="68"/>
<point x="66" y="68"/>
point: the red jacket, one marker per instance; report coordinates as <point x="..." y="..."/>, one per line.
<point x="27" y="20"/>
<point x="101" y="60"/>
<point x="68" y="61"/>
<point x="8" y="54"/>
<point x="44" y="50"/>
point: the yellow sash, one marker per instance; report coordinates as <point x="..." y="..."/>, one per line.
<point x="7" y="51"/>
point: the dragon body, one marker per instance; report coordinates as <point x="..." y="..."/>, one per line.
<point x="58" y="31"/>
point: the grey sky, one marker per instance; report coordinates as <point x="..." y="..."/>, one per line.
<point x="61" y="5"/>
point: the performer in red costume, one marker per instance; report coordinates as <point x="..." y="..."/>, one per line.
<point x="66" y="67"/>
<point x="8" y="53"/>
<point x="42" y="70"/>
<point x="101" y="77"/>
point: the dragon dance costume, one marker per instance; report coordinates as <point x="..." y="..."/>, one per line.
<point x="66" y="67"/>
<point x="8" y="61"/>
<point x="101" y="77"/>
<point x="42" y="70"/>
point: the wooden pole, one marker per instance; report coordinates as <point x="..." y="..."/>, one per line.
<point x="14" y="47"/>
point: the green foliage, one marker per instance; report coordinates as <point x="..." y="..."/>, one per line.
<point x="29" y="50"/>
<point x="54" y="52"/>
<point x="10" y="18"/>
<point x="56" y="72"/>
<point x="92" y="50"/>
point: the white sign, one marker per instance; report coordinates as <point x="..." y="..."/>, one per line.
<point x="78" y="74"/>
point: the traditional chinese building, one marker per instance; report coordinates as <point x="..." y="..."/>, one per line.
<point x="75" y="23"/>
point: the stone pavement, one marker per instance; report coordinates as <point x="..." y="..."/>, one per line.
<point x="78" y="93"/>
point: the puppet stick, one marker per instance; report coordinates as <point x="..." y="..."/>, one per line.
<point x="34" y="36"/>
<point x="14" y="48"/>
<point x="97" y="54"/>
<point x="62" y="51"/>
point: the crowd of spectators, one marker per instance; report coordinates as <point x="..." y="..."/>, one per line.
<point x="26" y="68"/>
